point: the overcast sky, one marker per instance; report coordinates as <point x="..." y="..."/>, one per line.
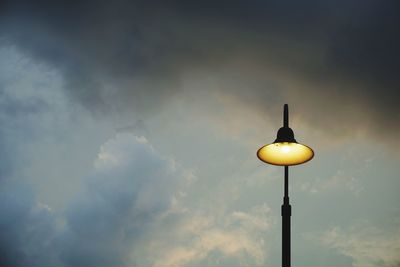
<point x="129" y="132"/>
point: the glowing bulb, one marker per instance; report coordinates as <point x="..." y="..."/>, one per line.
<point x="285" y="149"/>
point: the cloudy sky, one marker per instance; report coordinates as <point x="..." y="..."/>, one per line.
<point x="129" y="131"/>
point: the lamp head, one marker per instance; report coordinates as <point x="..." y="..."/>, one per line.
<point x="285" y="151"/>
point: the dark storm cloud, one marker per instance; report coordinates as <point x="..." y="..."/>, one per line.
<point x="342" y="54"/>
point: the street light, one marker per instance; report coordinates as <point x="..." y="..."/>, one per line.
<point x="285" y="151"/>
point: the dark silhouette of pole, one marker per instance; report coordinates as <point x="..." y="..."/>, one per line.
<point x="286" y="213"/>
<point x="286" y="115"/>
<point x="286" y="208"/>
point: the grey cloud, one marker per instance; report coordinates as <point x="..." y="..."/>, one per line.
<point x="130" y="187"/>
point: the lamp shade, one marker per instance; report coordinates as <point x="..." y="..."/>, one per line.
<point x="285" y="153"/>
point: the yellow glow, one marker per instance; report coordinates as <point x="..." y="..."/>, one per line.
<point x="285" y="154"/>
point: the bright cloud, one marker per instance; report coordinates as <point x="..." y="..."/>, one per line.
<point x="367" y="246"/>
<point x="238" y="235"/>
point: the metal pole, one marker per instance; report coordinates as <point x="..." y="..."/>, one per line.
<point x="286" y="208"/>
<point x="286" y="213"/>
<point x="285" y="115"/>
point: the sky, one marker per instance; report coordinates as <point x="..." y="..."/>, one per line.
<point x="129" y="132"/>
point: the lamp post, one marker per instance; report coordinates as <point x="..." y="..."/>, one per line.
<point x="285" y="151"/>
